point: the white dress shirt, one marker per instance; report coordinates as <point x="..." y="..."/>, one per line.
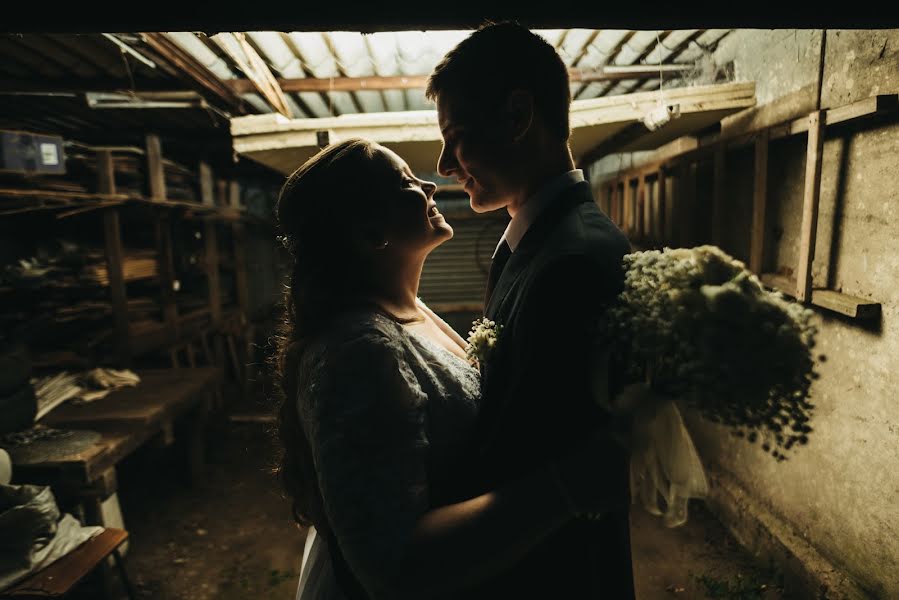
<point x="529" y="211"/>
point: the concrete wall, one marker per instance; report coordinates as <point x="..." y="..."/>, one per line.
<point x="836" y="501"/>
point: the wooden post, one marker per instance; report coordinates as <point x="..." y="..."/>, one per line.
<point x="666" y="230"/>
<point x="640" y="224"/>
<point x="215" y="297"/>
<point x="114" y="258"/>
<point x="166" y="267"/>
<point x="212" y="274"/>
<point x="155" y="170"/>
<point x="239" y="235"/>
<point x="759" y="202"/>
<point x="628" y="207"/>
<point x="221" y="192"/>
<point x="810" y="199"/>
<point x="112" y="232"/>
<point x="207" y="192"/>
<point x="613" y="204"/>
<point x="686" y="190"/>
<point x="657" y="208"/>
<point x="718" y="196"/>
<point x="234" y="194"/>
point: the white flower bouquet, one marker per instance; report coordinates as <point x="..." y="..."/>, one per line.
<point x="694" y="324"/>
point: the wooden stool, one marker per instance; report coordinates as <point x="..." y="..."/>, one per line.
<point x="58" y="579"/>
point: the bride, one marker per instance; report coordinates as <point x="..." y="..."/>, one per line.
<point x="380" y="402"/>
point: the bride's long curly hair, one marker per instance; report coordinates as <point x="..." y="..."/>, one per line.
<point x="320" y="212"/>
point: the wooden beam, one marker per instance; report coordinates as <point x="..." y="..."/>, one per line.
<point x="642" y="212"/>
<point x="610" y="59"/>
<point x="155" y="170"/>
<point x="759" y="202"/>
<point x="844" y="304"/>
<point x="720" y="178"/>
<point x="114" y="258"/>
<point x="234" y="194"/>
<point x="810" y="197"/>
<point x="677" y="51"/>
<point x="192" y="70"/>
<point x="660" y="209"/>
<point x="256" y="69"/>
<point x="207" y="191"/>
<point x="414" y="82"/>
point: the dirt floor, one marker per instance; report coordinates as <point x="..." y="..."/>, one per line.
<point x="231" y="536"/>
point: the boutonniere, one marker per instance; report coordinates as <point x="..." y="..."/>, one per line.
<point x="481" y="340"/>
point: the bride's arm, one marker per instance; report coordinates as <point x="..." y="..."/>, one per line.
<point x="368" y="432"/>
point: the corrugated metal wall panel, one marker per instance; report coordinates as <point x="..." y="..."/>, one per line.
<point x="455" y="274"/>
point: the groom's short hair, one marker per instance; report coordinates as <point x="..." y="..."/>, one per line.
<point x="497" y="59"/>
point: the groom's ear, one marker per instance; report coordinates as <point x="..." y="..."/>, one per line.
<point x="519" y="113"/>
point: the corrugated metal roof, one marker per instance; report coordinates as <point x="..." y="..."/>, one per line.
<point x="133" y="64"/>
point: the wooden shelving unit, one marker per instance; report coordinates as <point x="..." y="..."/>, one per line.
<point x="185" y="332"/>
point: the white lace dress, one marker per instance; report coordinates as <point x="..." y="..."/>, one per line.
<point x="389" y="415"/>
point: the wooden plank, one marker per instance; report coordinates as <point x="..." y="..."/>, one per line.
<point x="112" y="233"/>
<point x="614" y="208"/>
<point x="759" y="202"/>
<point x="670" y="212"/>
<point x="212" y="274"/>
<point x="720" y="180"/>
<point x="207" y="192"/>
<point x="61" y="576"/>
<point x="166" y="269"/>
<point x="845" y="304"/>
<point x="628" y="219"/>
<point x="192" y="70"/>
<point x="105" y="173"/>
<point x="155" y="171"/>
<point x="221" y="193"/>
<point x="640" y="213"/>
<point x="234" y="194"/>
<point x="161" y="395"/>
<point x="811" y="194"/>
<point x="412" y="82"/>
<point x="241" y="280"/>
<point x="659" y="221"/>
<point x="687" y="204"/>
<point x="246" y="58"/>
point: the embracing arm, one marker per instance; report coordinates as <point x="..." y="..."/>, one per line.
<point x="368" y="433"/>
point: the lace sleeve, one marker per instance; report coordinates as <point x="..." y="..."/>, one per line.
<point x="365" y="420"/>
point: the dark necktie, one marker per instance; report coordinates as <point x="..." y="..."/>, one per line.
<point x="496" y="269"/>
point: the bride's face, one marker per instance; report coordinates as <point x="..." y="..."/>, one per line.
<point x="412" y="221"/>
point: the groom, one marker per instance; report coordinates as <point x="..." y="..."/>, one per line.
<point x="503" y="100"/>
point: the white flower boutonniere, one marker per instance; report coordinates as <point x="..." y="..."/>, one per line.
<point x="481" y="340"/>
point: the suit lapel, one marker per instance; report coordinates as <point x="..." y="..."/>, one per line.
<point x="531" y="242"/>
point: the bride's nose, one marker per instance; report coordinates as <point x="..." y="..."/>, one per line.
<point x="429" y="188"/>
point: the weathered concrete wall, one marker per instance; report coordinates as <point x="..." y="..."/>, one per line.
<point x="840" y="494"/>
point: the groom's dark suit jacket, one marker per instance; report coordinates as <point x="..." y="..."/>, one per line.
<point x="536" y="401"/>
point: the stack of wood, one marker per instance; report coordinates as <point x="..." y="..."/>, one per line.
<point x="136" y="265"/>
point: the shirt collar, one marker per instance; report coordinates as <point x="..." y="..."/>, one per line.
<point x="533" y="206"/>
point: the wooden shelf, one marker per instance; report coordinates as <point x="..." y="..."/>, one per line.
<point x="78" y="202"/>
<point x="55" y="580"/>
<point x="851" y="306"/>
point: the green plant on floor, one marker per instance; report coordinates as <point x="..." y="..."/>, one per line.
<point x="739" y="588"/>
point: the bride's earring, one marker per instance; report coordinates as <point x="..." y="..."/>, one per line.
<point x="382" y="245"/>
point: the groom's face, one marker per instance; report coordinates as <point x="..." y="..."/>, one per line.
<point x="476" y="154"/>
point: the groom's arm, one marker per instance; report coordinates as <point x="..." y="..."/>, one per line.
<point x="556" y="339"/>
